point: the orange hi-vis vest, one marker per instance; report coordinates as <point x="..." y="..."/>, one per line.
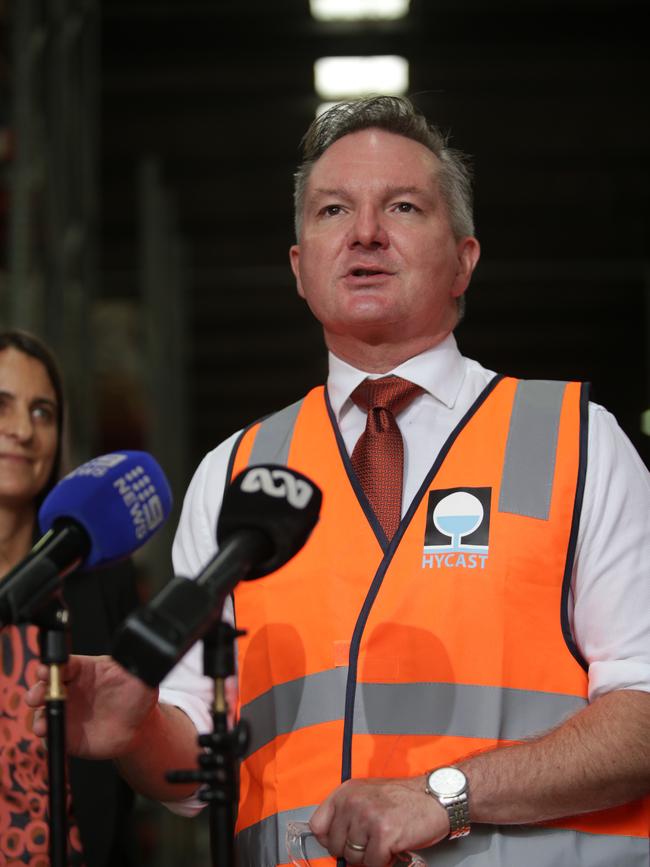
<point x="368" y="659"/>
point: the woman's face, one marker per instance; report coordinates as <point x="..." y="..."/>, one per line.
<point x="28" y="427"/>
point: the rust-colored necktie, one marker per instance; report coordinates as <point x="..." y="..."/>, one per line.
<point x="378" y="456"/>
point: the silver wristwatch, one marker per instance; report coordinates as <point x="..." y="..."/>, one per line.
<point x="449" y="787"/>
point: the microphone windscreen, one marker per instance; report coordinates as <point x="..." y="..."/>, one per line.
<point x="281" y="503"/>
<point x="120" y="500"/>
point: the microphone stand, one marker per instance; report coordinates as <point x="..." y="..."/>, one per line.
<point x="222" y="748"/>
<point x="266" y="516"/>
<point x="54" y="647"/>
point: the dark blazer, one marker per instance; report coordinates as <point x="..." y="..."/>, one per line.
<point x="102" y="802"/>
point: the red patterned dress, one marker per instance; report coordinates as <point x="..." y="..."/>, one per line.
<point x="24" y="831"/>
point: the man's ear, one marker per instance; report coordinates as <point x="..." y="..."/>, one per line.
<point x="469" y="251"/>
<point x="294" y="259"/>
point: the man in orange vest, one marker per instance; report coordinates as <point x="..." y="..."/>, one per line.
<point x="465" y="672"/>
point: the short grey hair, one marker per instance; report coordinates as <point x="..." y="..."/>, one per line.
<point x="397" y="115"/>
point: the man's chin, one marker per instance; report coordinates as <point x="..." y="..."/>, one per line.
<point x="375" y="331"/>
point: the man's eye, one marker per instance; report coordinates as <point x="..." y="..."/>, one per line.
<point x="405" y="207"/>
<point x="331" y="210"/>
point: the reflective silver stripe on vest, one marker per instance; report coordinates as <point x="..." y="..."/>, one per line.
<point x="457" y="710"/>
<point x="264" y="845"/>
<point x="297" y="704"/>
<point x="273" y="438"/>
<point x="529" y="463"/>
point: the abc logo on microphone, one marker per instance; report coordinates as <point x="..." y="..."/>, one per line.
<point x="278" y="483"/>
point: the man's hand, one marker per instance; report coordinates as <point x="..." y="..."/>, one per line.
<point x="384" y="816"/>
<point x="113" y="715"/>
<point x="107" y="707"/>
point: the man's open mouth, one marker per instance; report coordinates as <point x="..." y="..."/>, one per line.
<point x="366" y="272"/>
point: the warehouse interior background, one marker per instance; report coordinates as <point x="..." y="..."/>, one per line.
<point x="146" y="157"/>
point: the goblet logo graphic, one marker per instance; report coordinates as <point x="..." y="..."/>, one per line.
<point x="458" y="515"/>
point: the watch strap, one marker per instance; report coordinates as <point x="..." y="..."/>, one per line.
<point x="458" y="812"/>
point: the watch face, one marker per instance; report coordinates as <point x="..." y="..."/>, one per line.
<point x="447" y="782"/>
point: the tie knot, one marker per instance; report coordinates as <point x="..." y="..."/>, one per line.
<point x="390" y="392"/>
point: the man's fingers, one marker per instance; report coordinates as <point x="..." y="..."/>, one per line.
<point x="322" y="819"/>
<point x="39" y="725"/>
<point x="35" y="695"/>
<point x="68" y="671"/>
<point x="354" y="850"/>
<point x="367" y="822"/>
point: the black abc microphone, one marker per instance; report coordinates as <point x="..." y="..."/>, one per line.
<point x="267" y="515"/>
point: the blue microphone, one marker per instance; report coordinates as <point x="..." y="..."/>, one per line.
<point x="100" y="512"/>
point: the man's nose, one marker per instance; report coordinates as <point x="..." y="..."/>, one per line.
<point x="368" y="229"/>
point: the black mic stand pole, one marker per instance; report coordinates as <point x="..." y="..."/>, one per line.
<point x="223" y="748"/>
<point x="54" y="643"/>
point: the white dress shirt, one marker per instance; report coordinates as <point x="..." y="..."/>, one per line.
<point x="609" y="606"/>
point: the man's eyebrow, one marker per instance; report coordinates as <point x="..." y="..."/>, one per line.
<point x="389" y="191"/>
<point x="337" y="192"/>
<point x="400" y="191"/>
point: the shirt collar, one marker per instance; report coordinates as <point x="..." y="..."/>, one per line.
<point x="439" y="371"/>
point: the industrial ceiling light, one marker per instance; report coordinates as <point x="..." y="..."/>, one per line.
<point x="356" y="10"/>
<point x="344" y="77"/>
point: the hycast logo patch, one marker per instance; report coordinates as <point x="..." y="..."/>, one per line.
<point x="458" y="529"/>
